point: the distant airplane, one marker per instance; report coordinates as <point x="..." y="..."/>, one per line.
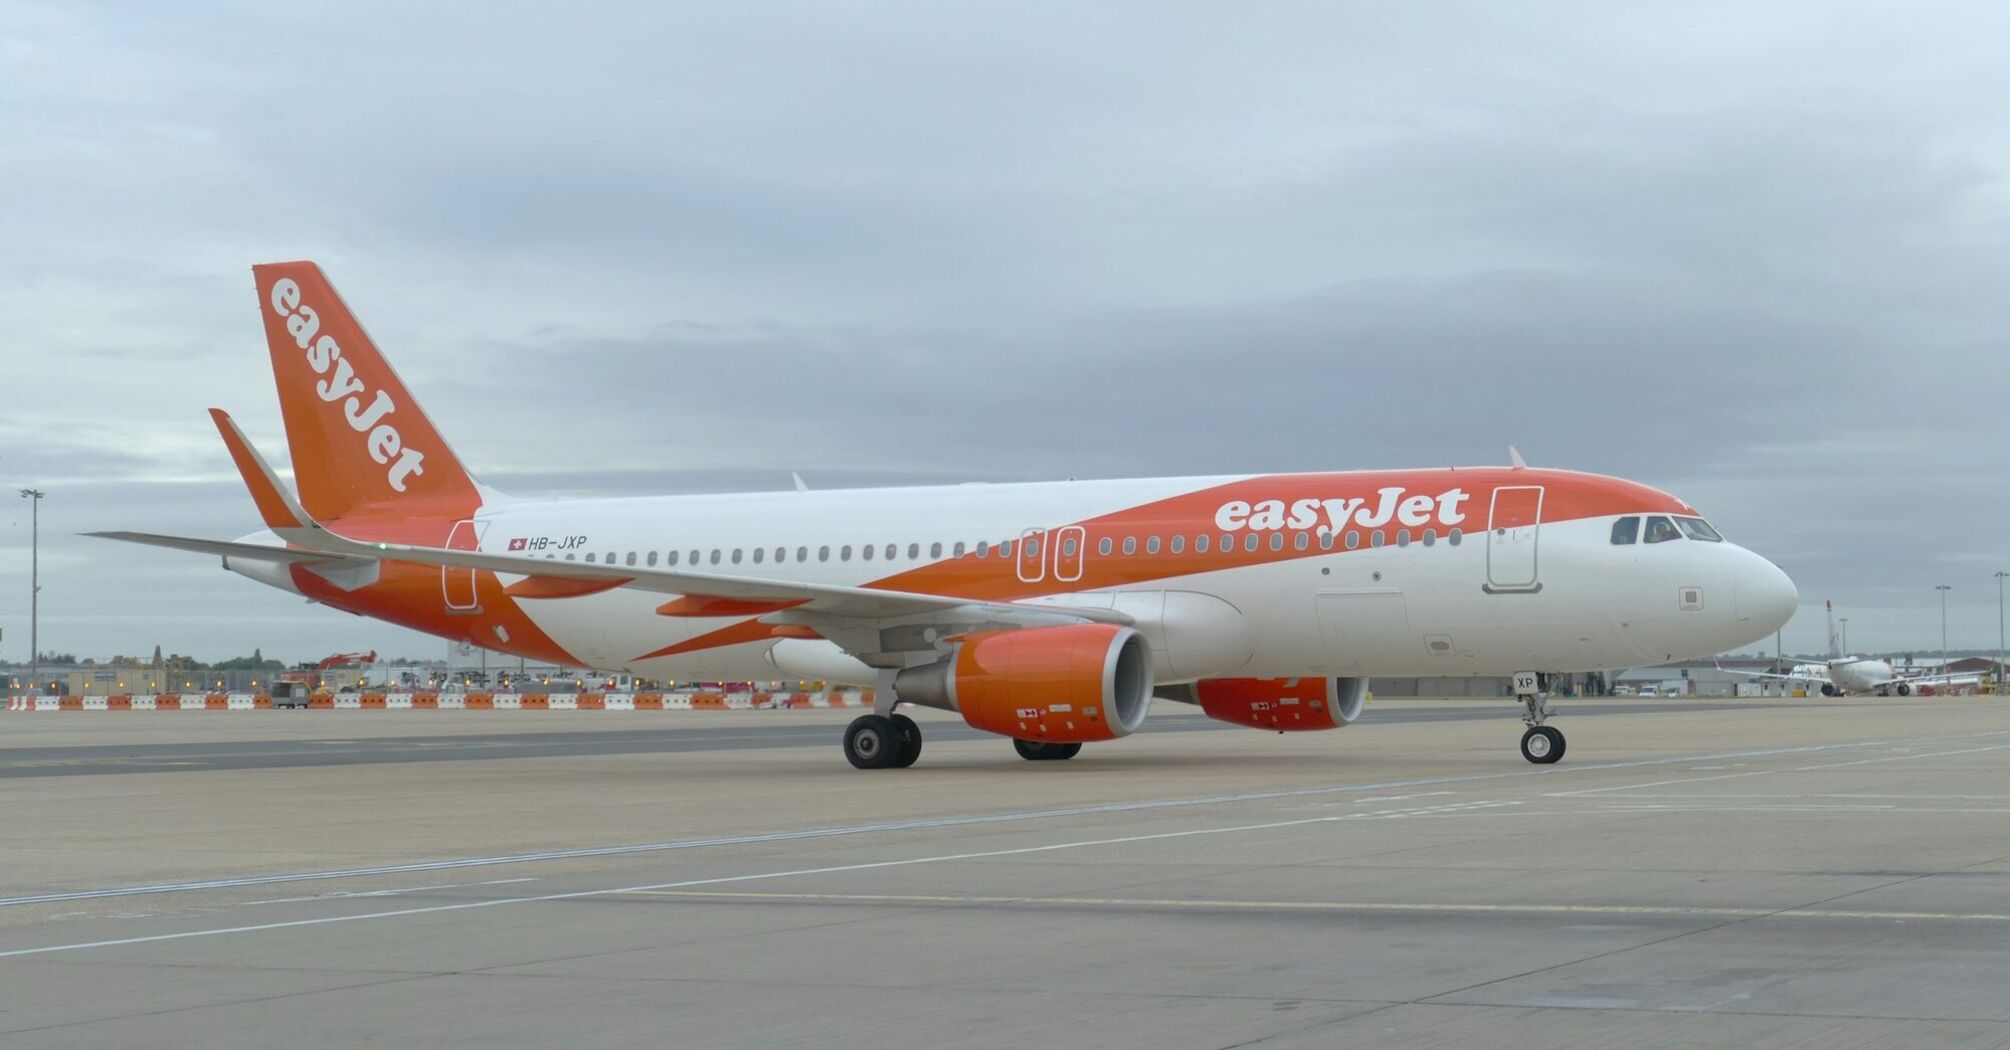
<point x="1049" y="613"/>
<point x="1857" y="675"/>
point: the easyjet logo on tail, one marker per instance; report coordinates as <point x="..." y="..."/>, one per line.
<point x="366" y="414"/>
<point x="1332" y="515"/>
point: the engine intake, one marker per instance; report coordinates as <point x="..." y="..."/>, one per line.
<point x="1074" y="685"/>
<point x="1283" y="704"/>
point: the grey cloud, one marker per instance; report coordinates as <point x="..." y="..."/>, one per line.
<point x="1753" y="256"/>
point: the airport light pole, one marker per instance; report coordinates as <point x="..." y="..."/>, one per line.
<point x="1943" y="589"/>
<point x="34" y="498"/>
<point x="2001" y="685"/>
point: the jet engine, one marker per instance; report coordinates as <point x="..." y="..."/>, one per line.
<point x="1284" y="705"/>
<point x="1074" y="684"/>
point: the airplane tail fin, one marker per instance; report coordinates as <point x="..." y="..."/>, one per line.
<point x="1835" y="644"/>
<point x="359" y="440"/>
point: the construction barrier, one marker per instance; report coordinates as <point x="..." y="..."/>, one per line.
<point x="454" y="702"/>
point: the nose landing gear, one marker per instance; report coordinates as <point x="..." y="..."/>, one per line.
<point x="1541" y="744"/>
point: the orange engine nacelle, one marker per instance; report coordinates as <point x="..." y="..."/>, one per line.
<point x="1067" y="685"/>
<point x="1283" y="704"/>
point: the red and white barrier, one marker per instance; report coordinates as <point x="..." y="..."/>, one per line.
<point x="455" y="702"/>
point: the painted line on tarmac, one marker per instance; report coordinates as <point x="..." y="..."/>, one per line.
<point x="834" y="869"/>
<point x="1199" y="904"/>
<point x="928" y="823"/>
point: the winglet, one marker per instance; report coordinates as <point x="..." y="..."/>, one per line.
<point x="1515" y="460"/>
<point x="275" y="504"/>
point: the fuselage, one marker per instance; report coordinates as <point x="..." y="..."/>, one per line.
<point x="1456" y="571"/>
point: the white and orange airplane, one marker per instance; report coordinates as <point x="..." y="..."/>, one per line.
<point x="1049" y="613"/>
<point x="1845" y="675"/>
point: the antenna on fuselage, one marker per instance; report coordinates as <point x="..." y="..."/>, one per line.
<point x="1515" y="460"/>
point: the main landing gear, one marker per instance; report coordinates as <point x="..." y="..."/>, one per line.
<point x="882" y="742"/>
<point x="1540" y="744"/>
<point x="1040" y="751"/>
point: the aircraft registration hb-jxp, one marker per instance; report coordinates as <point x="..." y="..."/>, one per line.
<point x="1049" y="613"/>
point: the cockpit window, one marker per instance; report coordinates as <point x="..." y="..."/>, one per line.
<point x="1698" y="529"/>
<point x="1661" y="530"/>
<point x="1625" y="530"/>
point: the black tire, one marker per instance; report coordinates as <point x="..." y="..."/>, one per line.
<point x="1904" y="690"/>
<point x="870" y="742"/>
<point x="1542" y="745"/>
<point x="1041" y="751"/>
<point x="909" y="734"/>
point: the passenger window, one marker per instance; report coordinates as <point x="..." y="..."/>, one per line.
<point x="1178" y="544"/>
<point x="1130" y="544"/>
<point x="1625" y="531"/>
<point x="1151" y="545"/>
<point x="1200" y="543"/>
<point x="1661" y="530"/>
<point x="1698" y="529"/>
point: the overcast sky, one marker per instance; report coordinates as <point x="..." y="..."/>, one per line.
<point x="1753" y="254"/>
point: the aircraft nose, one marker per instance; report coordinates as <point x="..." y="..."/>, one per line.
<point x="1766" y="597"/>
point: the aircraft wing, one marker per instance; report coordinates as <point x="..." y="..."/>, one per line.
<point x="223" y="548"/>
<point x="1774" y="676"/>
<point x="549" y="578"/>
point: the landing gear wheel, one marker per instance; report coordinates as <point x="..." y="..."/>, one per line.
<point x="1541" y="745"/>
<point x="1904" y="690"/>
<point x="909" y="735"/>
<point x="871" y="742"/>
<point x="1039" y="751"/>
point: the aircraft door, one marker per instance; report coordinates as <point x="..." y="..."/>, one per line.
<point x="1512" y="526"/>
<point x="458" y="584"/>
<point x="1069" y="552"/>
<point x="1033" y="555"/>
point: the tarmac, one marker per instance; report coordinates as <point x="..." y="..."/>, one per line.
<point x="1765" y="873"/>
